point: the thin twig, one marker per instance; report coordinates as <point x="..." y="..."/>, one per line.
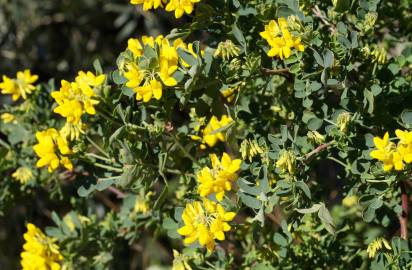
<point x="285" y="72"/>
<point x="317" y="150"/>
<point x="403" y="218"/>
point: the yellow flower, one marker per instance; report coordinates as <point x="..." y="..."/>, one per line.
<point x="211" y="135"/>
<point x="72" y="130"/>
<point x="136" y="47"/>
<point x="205" y="222"/>
<point x="23" y="175"/>
<point x="229" y="94"/>
<point x="350" y="201"/>
<point x="20" y="86"/>
<point x="188" y="48"/>
<point x="8" y="118"/>
<point x="181" y="6"/>
<point x="218" y="179"/>
<point x="39" y="251"/>
<point x="226" y="50"/>
<point x="141" y="204"/>
<point x="250" y="148"/>
<point x="148" y="4"/>
<point x="316" y="137"/>
<point x="384" y="151"/>
<point x="286" y="162"/>
<point x="76" y="98"/>
<point x="343" y="121"/>
<point x="51" y="149"/>
<point x="280" y="39"/>
<point x="147" y="81"/>
<point x="180" y="261"/>
<point x="377" y="245"/>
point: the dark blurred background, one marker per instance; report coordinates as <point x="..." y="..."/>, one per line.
<point x="56" y="38"/>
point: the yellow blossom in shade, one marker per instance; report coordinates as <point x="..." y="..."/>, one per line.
<point x="51" y="149"/>
<point x="23" y="175"/>
<point x="148" y="4"/>
<point x="377" y="245"/>
<point x="286" y="162"/>
<point x="350" y="201"/>
<point x="39" y="251"/>
<point x="21" y="86"/>
<point x="141" y="204"/>
<point x="181" y="6"/>
<point x="219" y="178"/>
<point x="280" y="39"/>
<point x="205" y="222"/>
<point x="180" y="261"/>
<point x="7" y="117"/>
<point x="211" y="135"/>
<point x="229" y="94"/>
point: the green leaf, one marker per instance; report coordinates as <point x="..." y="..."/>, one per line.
<point x="328" y="58"/>
<point x="187" y="57"/>
<point x="162" y="197"/>
<point x="250" y="201"/>
<point x="97" y="66"/>
<point x="302" y="185"/>
<point x="104" y="184"/>
<point x="318" y="58"/>
<point x="313" y="209"/>
<point x="315" y="123"/>
<point x="238" y="34"/>
<point x="406" y="117"/>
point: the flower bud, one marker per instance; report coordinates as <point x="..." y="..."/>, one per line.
<point x="286" y="162"/>
<point x="343" y="121"/>
<point x="226" y="50"/>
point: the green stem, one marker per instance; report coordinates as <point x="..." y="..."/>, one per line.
<point x="110" y="160"/>
<point x="339" y="162"/>
<point x="97" y="147"/>
<point x="107" y="167"/>
<point x="184" y="150"/>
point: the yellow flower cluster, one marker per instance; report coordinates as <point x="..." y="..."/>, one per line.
<point x="178" y="6"/>
<point x="376" y="245"/>
<point x="75" y="99"/>
<point x="205" y="222"/>
<point x="7" y="118"/>
<point x="391" y="155"/>
<point x="219" y="178"/>
<point x="286" y="162"/>
<point x="146" y="80"/>
<point x="21" y="86"/>
<point x="280" y="39"/>
<point x="52" y="149"/>
<point x="250" y="148"/>
<point x="40" y="252"/>
<point x="23" y="175"/>
<point x="211" y="133"/>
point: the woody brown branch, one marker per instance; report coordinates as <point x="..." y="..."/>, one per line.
<point x="403" y="218"/>
<point x="317" y="150"/>
<point x="279" y="71"/>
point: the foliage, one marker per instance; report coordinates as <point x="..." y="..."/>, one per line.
<point x="255" y="135"/>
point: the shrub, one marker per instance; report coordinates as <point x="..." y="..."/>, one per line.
<point x="256" y="135"/>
